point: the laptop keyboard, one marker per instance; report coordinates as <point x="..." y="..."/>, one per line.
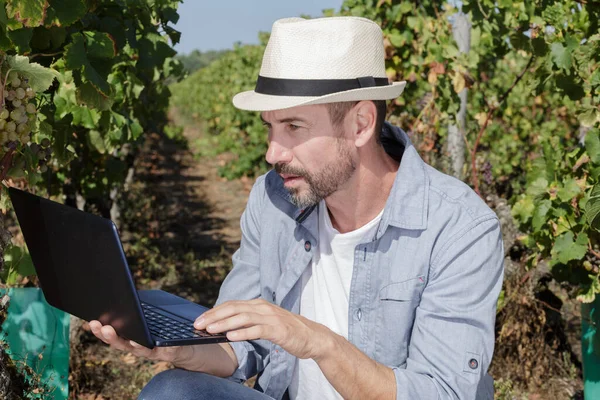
<point x="162" y="326"/>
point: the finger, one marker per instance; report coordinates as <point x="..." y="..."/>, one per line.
<point x="234" y="322"/>
<point x="204" y="318"/>
<point x="272" y="326"/>
<point x="251" y="333"/>
<point x="95" y="327"/>
<point x="114" y="340"/>
<point x="229" y="309"/>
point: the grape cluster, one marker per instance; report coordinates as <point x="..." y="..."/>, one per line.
<point x="17" y="114"/>
<point x="487" y="173"/>
<point x="591" y="262"/>
<point x="43" y="153"/>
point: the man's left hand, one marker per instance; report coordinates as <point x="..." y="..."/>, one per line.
<point x="259" y="319"/>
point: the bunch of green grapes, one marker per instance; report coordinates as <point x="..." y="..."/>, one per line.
<point x="18" y="114"/>
<point x="43" y="153"/>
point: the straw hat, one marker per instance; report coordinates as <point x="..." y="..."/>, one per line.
<point x="317" y="61"/>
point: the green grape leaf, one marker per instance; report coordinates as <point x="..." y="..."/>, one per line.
<point x="554" y="14"/>
<point x="25" y="265"/>
<point x="40" y="39"/>
<point x="592" y="145"/>
<point x="153" y="50"/>
<point x="589" y="117"/>
<point x="86" y="117"/>
<point x="569" y="190"/>
<point x="76" y="58"/>
<point x="116" y="134"/>
<point x="5" y="43"/>
<point x="115" y="29"/>
<point x="45" y="129"/>
<point x="170" y="14"/>
<point x="539" y="214"/>
<point x="88" y="95"/>
<point x="592" y="208"/>
<point x="40" y="78"/>
<point x="16" y="172"/>
<point x="63" y="13"/>
<point x="566" y="249"/>
<point x="58" y="36"/>
<point x="523" y="209"/>
<point x="397" y="39"/>
<point x="3" y="17"/>
<point x="30" y="13"/>
<point x="61" y="138"/>
<point x="96" y="141"/>
<point x="450" y="51"/>
<point x="538" y="187"/>
<point x="540" y="47"/>
<point x="561" y="56"/>
<point x="100" y="45"/>
<point x="136" y="130"/>
<point x="21" y="38"/>
<point x="587" y="294"/>
<point x="571" y="88"/>
<point x="595" y="78"/>
<point x="173" y="34"/>
<point x="406" y="7"/>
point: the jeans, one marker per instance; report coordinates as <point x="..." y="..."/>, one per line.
<point x="179" y="384"/>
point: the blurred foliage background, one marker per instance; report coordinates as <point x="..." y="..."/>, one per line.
<point x="531" y="149"/>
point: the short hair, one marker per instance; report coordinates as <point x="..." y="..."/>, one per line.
<point x="339" y="110"/>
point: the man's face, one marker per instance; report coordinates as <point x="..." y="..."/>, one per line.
<point x="313" y="157"/>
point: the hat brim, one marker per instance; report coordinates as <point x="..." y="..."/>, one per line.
<point x="252" y="101"/>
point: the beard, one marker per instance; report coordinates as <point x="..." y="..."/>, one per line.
<point x="323" y="183"/>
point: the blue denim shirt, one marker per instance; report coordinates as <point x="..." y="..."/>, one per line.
<point x="424" y="289"/>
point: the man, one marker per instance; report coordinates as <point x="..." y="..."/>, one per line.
<point x="362" y="272"/>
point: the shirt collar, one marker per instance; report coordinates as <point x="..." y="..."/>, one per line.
<point x="406" y="206"/>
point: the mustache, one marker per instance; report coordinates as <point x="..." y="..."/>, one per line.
<point x="289" y="170"/>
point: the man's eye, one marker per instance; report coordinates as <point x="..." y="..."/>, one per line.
<point x="294" y="127"/>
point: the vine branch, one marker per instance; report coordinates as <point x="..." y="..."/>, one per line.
<point x="594" y="252"/>
<point x="5" y="163"/>
<point x="31" y="57"/>
<point x="492" y="110"/>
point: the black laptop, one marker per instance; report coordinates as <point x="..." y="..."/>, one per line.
<point x="82" y="270"/>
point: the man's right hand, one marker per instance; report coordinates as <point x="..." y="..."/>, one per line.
<point x="108" y="335"/>
<point x="217" y="359"/>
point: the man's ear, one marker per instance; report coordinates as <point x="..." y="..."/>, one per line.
<point x="365" y="119"/>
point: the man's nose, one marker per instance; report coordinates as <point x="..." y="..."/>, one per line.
<point x="276" y="153"/>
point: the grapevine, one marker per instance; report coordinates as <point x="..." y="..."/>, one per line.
<point x="18" y="120"/>
<point x="77" y="92"/>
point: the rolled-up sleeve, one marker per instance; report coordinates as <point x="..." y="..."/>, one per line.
<point x="452" y="339"/>
<point x="243" y="282"/>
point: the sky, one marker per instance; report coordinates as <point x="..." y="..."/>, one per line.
<point x="215" y="25"/>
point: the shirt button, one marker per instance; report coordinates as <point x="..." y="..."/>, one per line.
<point x="473" y="364"/>
<point x="307" y="245"/>
<point x="274" y="297"/>
<point x="358" y="314"/>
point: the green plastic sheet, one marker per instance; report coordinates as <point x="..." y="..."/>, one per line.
<point x="38" y="334"/>
<point x="590" y="340"/>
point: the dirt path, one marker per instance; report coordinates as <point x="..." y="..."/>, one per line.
<point x="180" y="226"/>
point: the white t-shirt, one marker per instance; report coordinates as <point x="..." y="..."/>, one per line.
<point x="327" y="284"/>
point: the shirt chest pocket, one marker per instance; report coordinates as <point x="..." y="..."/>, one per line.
<point x="404" y="291"/>
<point x="398" y="302"/>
